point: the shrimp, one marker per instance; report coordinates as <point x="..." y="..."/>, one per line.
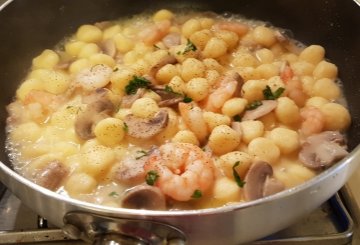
<point x="293" y="85"/>
<point x="296" y="93"/>
<point x="41" y="103"/>
<point x="183" y="169"/>
<point x="193" y="118"/>
<point x="238" y="28"/>
<point x="313" y="121"/>
<point x="227" y="87"/>
<point x="155" y="33"/>
<point x="93" y="78"/>
<point x="286" y="73"/>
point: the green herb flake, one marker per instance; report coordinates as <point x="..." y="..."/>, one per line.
<point x="269" y="95"/>
<point x="142" y="154"/>
<point x="151" y="177"/>
<point x="156" y="47"/>
<point x="253" y="105"/>
<point x="189" y="47"/>
<point x="116" y="69"/>
<point x="237" y="178"/>
<point x="113" y="194"/>
<point x="136" y="83"/>
<point x="169" y="90"/>
<point x="126" y="128"/>
<point x="237" y="118"/>
<point x="187" y="99"/>
<point x="196" y="194"/>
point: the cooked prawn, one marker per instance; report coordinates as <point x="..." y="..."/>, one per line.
<point x="94" y="77"/>
<point x="193" y="118"/>
<point x="41" y="103"/>
<point x="238" y="28"/>
<point x="155" y="33"/>
<point x="313" y="121"/>
<point x="293" y="85"/>
<point x="286" y="73"/>
<point x="295" y="92"/>
<point x="182" y="168"/>
<point x="227" y="87"/>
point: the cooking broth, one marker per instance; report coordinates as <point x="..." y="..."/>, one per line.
<point x="177" y="111"/>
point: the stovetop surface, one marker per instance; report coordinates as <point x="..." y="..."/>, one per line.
<point x="329" y="224"/>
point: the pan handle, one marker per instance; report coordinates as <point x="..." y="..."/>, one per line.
<point x="103" y="230"/>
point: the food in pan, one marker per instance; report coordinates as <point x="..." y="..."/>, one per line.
<point x="177" y="111"/>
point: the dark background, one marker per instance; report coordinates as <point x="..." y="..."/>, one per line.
<point x="29" y="26"/>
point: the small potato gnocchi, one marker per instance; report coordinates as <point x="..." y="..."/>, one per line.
<point x="183" y="108"/>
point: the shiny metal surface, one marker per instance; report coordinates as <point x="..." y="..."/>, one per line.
<point x="94" y="228"/>
<point x="226" y="225"/>
<point x="233" y="224"/>
<point x="328" y="224"/>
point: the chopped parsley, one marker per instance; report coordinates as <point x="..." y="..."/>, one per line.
<point x="125" y="127"/>
<point x="136" y="83"/>
<point x="116" y="69"/>
<point x="237" y="118"/>
<point x="169" y="90"/>
<point x="151" y="177"/>
<point x="269" y="95"/>
<point x="237" y="178"/>
<point x="187" y="99"/>
<point x="189" y="47"/>
<point x="74" y="109"/>
<point x="142" y="154"/>
<point x="113" y="194"/>
<point x="253" y="105"/>
<point x="197" y="194"/>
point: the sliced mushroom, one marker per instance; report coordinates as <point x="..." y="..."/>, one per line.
<point x="237" y="77"/>
<point x="52" y="175"/>
<point x="131" y="170"/>
<point x="272" y="186"/>
<point x="144" y="197"/>
<point x="108" y="47"/>
<point x="169" y="59"/>
<point x="323" y="150"/>
<point x="172" y="39"/>
<point x="99" y="107"/>
<point x="168" y="98"/>
<point x="146" y="128"/>
<point x="128" y="100"/>
<point x="259" y="181"/>
<point x="103" y="24"/>
<point x="237" y="127"/>
<point x="266" y="107"/>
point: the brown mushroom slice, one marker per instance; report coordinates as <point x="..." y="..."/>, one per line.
<point x="172" y="39"/>
<point x="52" y="175"/>
<point x="260" y="183"/>
<point x="128" y="100"/>
<point x="168" y="98"/>
<point x="237" y="77"/>
<point x="266" y="107"/>
<point x="237" y="127"/>
<point x="142" y="128"/>
<point x="272" y="186"/>
<point x="144" y="197"/>
<point x="130" y="171"/>
<point x="331" y="136"/>
<point x="255" y="179"/>
<point x="98" y="108"/>
<point x="169" y="59"/>
<point x="108" y="47"/>
<point x="322" y="150"/>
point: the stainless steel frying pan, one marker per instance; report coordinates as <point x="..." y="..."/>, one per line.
<point x="29" y="26"/>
